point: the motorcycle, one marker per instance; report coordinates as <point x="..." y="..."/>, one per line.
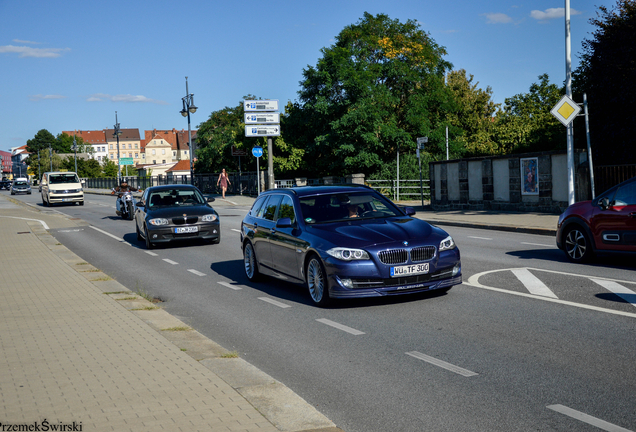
<point x="127" y="207"/>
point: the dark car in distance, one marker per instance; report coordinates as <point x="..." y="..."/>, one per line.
<point x="20" y="186"/>
<point x="172" y="213"/>
<point x="346" y="242"/>
<point x="606" y="224"/>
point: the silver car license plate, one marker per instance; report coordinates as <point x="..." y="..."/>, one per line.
<point x="409" y="270"/>
<point x="184" y="230"/>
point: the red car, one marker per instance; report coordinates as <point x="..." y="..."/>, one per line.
<point x="605" y="224"/>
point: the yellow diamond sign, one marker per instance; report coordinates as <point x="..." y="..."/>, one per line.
<point x="566" y="110"/>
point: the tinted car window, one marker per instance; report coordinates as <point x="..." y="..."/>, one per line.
<point x="270" y="207"/>
<point x="626" y="195"/>
<point x="257" y="206"/>
<point x="286" y="209"/>
<point x="63" y="178"/>
<point x="175" y="198"/>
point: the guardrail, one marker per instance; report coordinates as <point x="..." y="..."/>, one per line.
<point x="402" y="190"/>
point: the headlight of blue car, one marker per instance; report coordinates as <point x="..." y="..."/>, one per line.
<point x="347" y="254"/>
<point x="446" y="244"/>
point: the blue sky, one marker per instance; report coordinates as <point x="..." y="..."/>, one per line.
<point x="71" y="64"/>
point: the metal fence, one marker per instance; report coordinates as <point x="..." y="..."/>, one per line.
<point x="610" y="175"/>
<point x="402" y="190"/>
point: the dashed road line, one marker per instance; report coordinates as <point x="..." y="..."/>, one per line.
<point x="233" y="229"/>
<point x="538" y="244"/>
<point x="196" y="272"/>
<point x="480" y="238"/>
<point x="586" y="418"/>
<point x="121" y="240"/>
<point x="274" y="302"/>
<point x="170" y="261"/>
<point x="229" y="285"/>
<point x="340" y="326"/>
<point x="442" y="364"/>
<point x="151" y="253"/>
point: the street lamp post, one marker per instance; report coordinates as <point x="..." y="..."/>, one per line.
<point x="51" y="156"/>
<point x="75" y="150"/>
<point x="116" y="134"/>
<point x="189" y="107"/>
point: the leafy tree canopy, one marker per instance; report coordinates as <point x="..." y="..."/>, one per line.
<point x="526" y="124"/>
<point x="380" y="86"/>
<point x="607" y="74"/>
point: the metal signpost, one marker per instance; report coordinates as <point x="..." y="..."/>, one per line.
<point x="258" y="152"/>
<point x="254" y="110"/>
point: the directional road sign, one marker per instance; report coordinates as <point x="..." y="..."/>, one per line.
<point x="262" y="118"/>
<point x="565" y="110"/>
<point x="261" y="105"/>
<point x="262" y="130"/>
<point x="126" y="161"/>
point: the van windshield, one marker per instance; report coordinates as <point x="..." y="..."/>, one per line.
<point x="63" y="178"/>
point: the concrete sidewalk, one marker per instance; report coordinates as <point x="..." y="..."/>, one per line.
<point x="78" y="350"/>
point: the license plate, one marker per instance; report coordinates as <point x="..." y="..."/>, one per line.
<point x="409" y="270"/>
<point x="184" y="230"/>
<point x="66" y="199"/>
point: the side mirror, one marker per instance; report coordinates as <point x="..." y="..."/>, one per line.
<point x="211" y="199"/>
<point x="83" y="181"/>
<point x="409" y="211"/>
<point x="140" y="204"/>
<point x="283" y="223"/>
<point x="604" y="203"/>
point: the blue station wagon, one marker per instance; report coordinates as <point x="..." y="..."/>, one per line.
<point x="346" y="242"/>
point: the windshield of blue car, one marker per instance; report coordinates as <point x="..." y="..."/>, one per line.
<point x="175" y="198"/>
<point x="346" y="206"/>
<point x="20" y="183"/>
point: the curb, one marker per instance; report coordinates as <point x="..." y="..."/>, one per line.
<point x="508" y="228"/>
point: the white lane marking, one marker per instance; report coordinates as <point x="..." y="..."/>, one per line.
<point x="46" y="227"/>
<point x="442" y="364"/>
<point x="274" y="302"/>
<point x="238" y="231"/>
<point x="532" y="283"/>
<point x="151" y="253"/>
<point x="538" y="244"/>
<point x="229" y="285"/>
<point x="480" y="238"/>
<point x="585" y="418"/>
<point x="474" y="282"/>
<point x="170" y="261"/>
<point x="196" y="272"/>
<point x="111" y="235"/>
<point x="626" y="294"/>
<point x="340" y="326"/>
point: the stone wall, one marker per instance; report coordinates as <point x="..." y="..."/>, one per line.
<point x="495" y="183"/>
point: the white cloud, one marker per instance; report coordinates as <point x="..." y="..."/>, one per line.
<point x="99" y="97"/>
<point x="25" y="42"/>
<point x="24" y="51"/>
<point x="551" y="13"/>
<point x="497" y="18"/>
<point x="39" y="97"/>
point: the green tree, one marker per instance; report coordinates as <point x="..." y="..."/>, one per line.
<point x="65" y="141"/>
<point x="380" y="86"/>
<point x="474" y="119"/>
<point x="109" y="168"/>
<point x="607" y="73"/>
<point x="41" y="141"/>
<point x="526" y="125"/>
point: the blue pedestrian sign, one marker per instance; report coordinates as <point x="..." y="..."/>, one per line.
<point x="257" y="151"/>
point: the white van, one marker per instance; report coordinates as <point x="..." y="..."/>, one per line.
<point x="61" y="187"/>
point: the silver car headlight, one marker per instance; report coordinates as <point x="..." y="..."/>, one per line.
<point x="158" y="221"/>
<point x="209" y="218"/>
<point x="348" y="254"/>
<point x="446" y="244"/>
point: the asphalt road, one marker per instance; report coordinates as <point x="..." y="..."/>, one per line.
<point x="528" y="342"/>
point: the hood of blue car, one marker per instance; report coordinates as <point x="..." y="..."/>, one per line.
<point x="379" y="231"/>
